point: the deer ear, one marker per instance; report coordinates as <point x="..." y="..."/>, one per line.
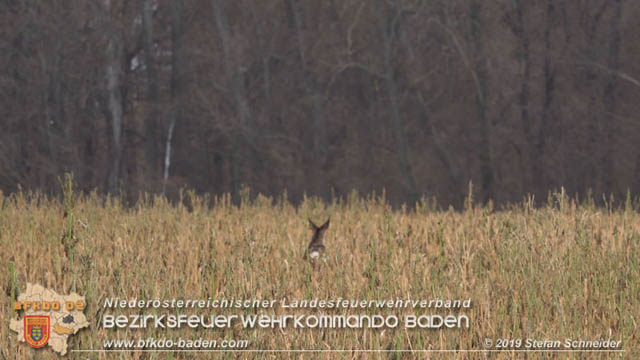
<point x="313" y="226"/>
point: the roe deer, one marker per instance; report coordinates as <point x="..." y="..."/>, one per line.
<point x="316" y="247"/>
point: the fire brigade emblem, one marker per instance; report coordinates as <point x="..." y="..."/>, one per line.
<point x="36" y="330"/>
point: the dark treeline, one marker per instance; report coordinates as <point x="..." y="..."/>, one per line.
<point x="417" y="97"/>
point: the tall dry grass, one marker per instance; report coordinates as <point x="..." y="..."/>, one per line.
<point x="564" y="270"/>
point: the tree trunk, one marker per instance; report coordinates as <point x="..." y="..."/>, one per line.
<point x="50" y="115"/>
<point x="151" y="119"/>
<point x="114" y="74"/>
<point x="177" y="70"/>
<point x="524" y="57"/>
<point x="595" y="143"/>
<point x="480" y="64"/>
<point x="318" y="127"/>
<point x="442" y="150"/>
<point x="235" y="79"/>
<point x="549" y="86"/>
<point x="387" y="25"/>
<point x="613" y="63"/>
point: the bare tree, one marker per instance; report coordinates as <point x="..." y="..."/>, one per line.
<point x="151" y="120"/>
<point x="481" y="73"/>
<point x="609" y="101"/>
<point x="549" y="76"/>
<point x="388" y="20"/>
<point x="52" y="99"/>
<point x="319" y="133"/>
<point x="443" y="151"/>
<point x="177" y="83"/>
<point x="114" y="72"/>
<point x="235" y="80"/>
<point x="516" y="22"/>
<point x="591" y="16"/>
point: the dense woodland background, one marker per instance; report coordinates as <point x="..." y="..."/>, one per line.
<point x="417" y="97"/>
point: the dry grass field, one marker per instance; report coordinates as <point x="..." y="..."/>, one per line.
<point x="561" y="270"/>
